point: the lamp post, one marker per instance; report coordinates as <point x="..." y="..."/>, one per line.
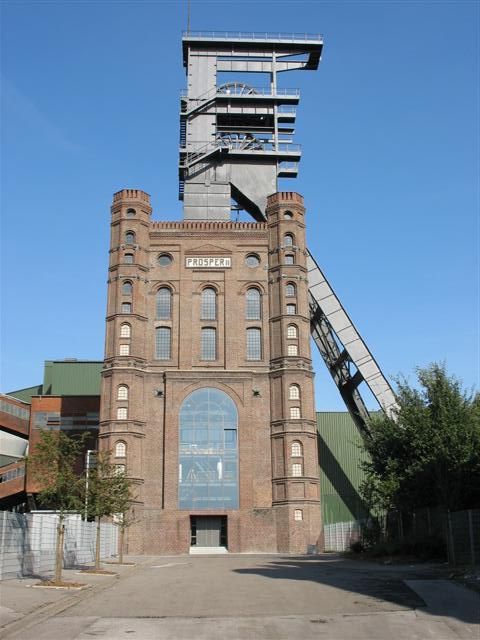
<point x="87" y="470"/>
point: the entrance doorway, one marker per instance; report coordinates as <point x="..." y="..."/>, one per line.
<point x="208" y="531"/>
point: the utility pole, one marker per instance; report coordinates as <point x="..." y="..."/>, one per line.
<point x="87" y="472"/>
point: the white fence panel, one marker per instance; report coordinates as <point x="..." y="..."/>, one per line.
<point x="339" y="536"/>
<point x="28" y="543"/>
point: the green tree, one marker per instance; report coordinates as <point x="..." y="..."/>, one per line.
<point x="429" y="455"/>
<point x="109" y="494"/>
<point x="52" y="464"/>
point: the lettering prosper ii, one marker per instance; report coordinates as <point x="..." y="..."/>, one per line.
<point x="208" y="262"/>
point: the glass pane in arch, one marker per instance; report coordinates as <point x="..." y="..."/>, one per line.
<point x="208" y="451"/>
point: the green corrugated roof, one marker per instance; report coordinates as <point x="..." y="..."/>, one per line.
<point x="25" y="395"/>
<point x="72" y="377"/>
<point x="340" y="454"/>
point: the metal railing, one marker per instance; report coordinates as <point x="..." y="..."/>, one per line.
<point x="241" y="90"/>
<point x="253" y="35"/>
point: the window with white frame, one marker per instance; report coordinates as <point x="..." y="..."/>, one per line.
<point x="164" y="303"/>
<point x="209" y="304"/>
<point x="298" y="515"/>
<point x="292" y="350"/>
<point x="294" y="392"/>
<point x="122" y="413"/>
<point x="295" y="413"/>
<point x="289" y="258"/>
<point x="290" y="290"/>
<point x="124" y="350"/>
<point x="120" y="450"/>
<point x="254" y="343"/>
<point x="122" y="392"/>
<point x="292" y="332"/>
<point x="296" y="449"/>
<point x="127" y="288"/>
<point x="125" y="330"/>
<point x="126" y="307"/>
<point x="291" y="309"/>
<point x="297" y="469"/>
<point x="208" y="347"/>
<point x="253" y="304"/>
<point x="163" y="343"/>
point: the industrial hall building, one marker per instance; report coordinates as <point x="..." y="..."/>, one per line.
<point x="207" y="387"/>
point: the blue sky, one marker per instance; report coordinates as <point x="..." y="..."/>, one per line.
<point x="390" y="136"/>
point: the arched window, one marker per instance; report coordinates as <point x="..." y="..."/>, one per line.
<point x="208" y="344"/>
<point x="208" y="452"/>
<point x="122" y="392"/>
<point x="254" y="343"/>
<point x="288" y="240"/>
<point x="292" y="332"/>
<point x="294" y="392"/>
<point x="131" y="213"/>
<point x="126" y="307"/>
<point x="295" y="413"/>
<point x="128" y="258"/>
<point x="292" y="350"/>
<point x="129" y="237"/>
<point x="121" y="413"/>
<point x="127" y="288"/>
<point x="288" y="215"/>
<point x="289" y="258"/>
<point x="253" y="304"/>
<point x="125" y="330"/>
<point x="164" y="303"/>
<point x="297" y="470"/>
<point x="162" y="343"/>
<point x="298" y="515"/>
<point x="291" y="309"/>
<point x="120" y="449"/>
<point x="290" y="290"/>
<point x="209" y="304"/>
<point x="296" y="449"/>
<point x="124" y="350"/>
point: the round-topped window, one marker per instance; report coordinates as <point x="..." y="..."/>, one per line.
<point x="252" y="260"/>
<point x="165" y="259"/>
<point x="288" y="215"/>
<point x="131" y="213"/>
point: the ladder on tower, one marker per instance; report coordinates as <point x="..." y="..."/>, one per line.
<point x="345" y="354"/>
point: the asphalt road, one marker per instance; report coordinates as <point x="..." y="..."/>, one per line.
<point x="263" y="597"/>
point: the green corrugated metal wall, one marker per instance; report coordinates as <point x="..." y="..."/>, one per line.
<point x="25" y="395"/>
<point x="340" y="453"/>
<point x="72" y="378"/>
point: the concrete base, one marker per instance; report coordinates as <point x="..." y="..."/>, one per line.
<point x="207" y="550"/>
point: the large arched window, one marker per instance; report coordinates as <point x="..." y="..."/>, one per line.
<point x="120" y="449"/>
<point x="294" y="392"/>
<point x="292" y="331"/>
<point x="122" y="392"/>
<point x="125" y="330"/>
<point x="164" y="303"/>
<point x="129" y="237"/>
<point x="208" y="452"/>
<point x="253" y="306"/>
<point x="209" y="304"/>
<point x="290" y="290"/>
<point x="127" y="288"/>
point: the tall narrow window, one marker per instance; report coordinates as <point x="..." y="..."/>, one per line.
<point x="292" y="332"/>
<point x="126" y="307"/>
<point x="121" y="413"/>
<point x="129" y="237"/>
<point x="124" y="350"/>
<point x="122" y="392"/>
<point x="128" y="258"/>
<point x="288" y="240"/>
<point x="289" y="258"/>
<point x="296" y="449"/>
<point x="290" y="290"/>
<point x="253" y="308"/>
<point x="254" y="344"/>
<point x="291" y="309"/>
<point x="208" y="344"/>
<point x="297" y="470"/>
<point x="120" y="450"/>
<point x="209" y="304"/>
<point x="125" y="330"/>
<point x="294" y="392"/>
<point x="295" y="413"/>
<point x="127" y="288"/>
<point x="164" y="303"/>
<point x="162" y="343"/>
<point x="292" y="350"/>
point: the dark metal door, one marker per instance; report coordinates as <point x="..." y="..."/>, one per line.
<point x="208" y="531"/>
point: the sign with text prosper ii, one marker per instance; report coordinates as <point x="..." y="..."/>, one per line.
<point x="208" y="262"/>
